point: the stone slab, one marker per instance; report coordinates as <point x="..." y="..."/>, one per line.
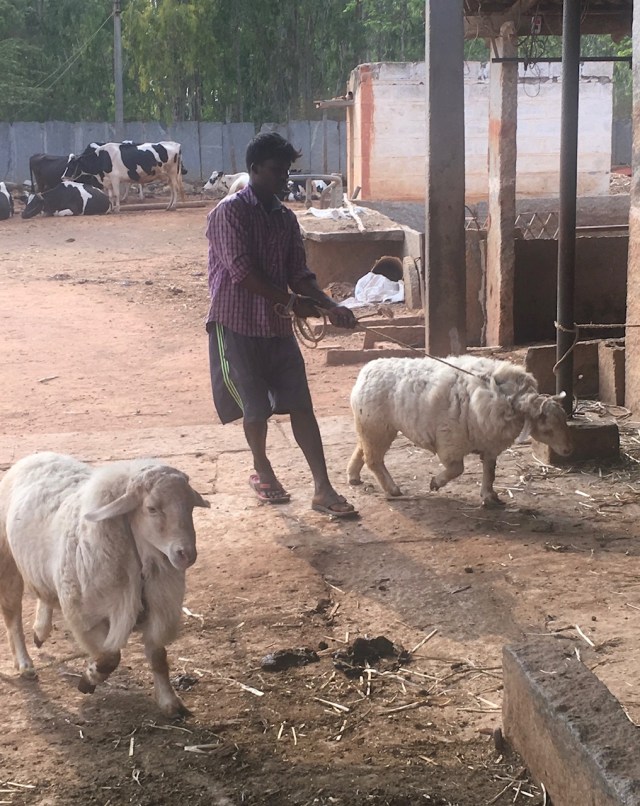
<point x="569" y="729"/>
<point x="409" y="335"/>
<point x="331" y="330"/>
<point x="593" y="440"/>
<point x="412" y="283"/>
<point x="611" y="366"/>
<point x="338" y="358"/>
<point x="541" y="359"/>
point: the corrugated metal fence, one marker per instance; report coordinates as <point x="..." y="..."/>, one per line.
<point x="205" y="146"/>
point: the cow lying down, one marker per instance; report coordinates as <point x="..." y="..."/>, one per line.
<point x="6" y="203"/>
<point x="68" y="198"/>
<point x="109" y="546"/>
<point x="450" y="413"/>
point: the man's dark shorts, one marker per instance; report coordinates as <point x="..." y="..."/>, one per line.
<point x="254" y="377"/>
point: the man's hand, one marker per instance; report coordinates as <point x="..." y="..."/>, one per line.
<point x="305" y="307"/>
<point x="342" y="317"/>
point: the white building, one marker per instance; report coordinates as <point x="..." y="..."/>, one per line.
<point x="386" y="130"/>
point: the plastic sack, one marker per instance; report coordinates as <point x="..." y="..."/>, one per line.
<point x="377" y="288"/>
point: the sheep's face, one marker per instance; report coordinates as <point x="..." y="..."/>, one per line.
<point x="159" y="504"/>
<point x="550" y="426"/>
<point x="164" y="518"/>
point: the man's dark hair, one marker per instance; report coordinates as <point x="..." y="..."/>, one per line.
<point x="268" y="146"/>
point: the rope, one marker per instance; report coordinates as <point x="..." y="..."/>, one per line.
<point x="575" y="329"/>
<point x="310" y="339"/>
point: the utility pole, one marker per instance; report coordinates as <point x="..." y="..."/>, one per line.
<point x="117" y="70"/>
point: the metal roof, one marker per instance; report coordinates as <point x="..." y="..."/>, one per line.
<point x="484" y="17"/>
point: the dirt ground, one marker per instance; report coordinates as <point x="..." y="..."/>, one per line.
<point x="104" y="356"/>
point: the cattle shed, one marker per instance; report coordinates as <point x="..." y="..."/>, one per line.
<point x="573" y="160"/>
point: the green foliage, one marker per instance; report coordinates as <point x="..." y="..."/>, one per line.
<point x="254" y="60"/>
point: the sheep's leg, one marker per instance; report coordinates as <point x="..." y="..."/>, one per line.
<point x="374" y="446"/>
<point x="170" y="704"/>
<point x="452" y="469"/>
<point x="11" y="590"/>
<point x="356" y="463"/>
<point x="42" y="624"/>
<point x="98" y="670"/>
<point x="102" y="662"/>
<point x="487" y="493"/>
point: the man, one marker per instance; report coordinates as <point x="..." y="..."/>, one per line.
<point x="257" y="275"/>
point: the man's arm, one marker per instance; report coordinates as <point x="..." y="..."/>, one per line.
<point x="337" y="314"/>
<point x="303" y="281"/>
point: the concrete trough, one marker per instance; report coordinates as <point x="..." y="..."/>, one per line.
<point x="570" y="731"/>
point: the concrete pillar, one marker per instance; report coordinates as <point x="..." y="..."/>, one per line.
<point x="445" y="295"/>
<point x="503" y="115"/>
<point x="632" y="341"/>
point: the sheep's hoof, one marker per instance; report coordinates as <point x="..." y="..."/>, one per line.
<point x="176" y="710"/>
<point x="28" y="673"/>
<point x="37" y="641"/>
<point x="493" y="502"/>
<point x="355" y="482"/>
<point x="434" y="486"/>
<point x="85" y="687"/>
<point x="394" y="492"/>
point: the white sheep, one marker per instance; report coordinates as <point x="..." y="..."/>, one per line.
<point x="109" y="546"/>
<point x="450" y="413"/>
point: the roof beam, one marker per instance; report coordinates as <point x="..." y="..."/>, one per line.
<point x="486" y="26"/>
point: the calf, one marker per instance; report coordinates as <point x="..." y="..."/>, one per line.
<point x="226" y="184"/>
<point x="68" y="198"/>
<point x="115" y="163"/>
<point x="466" y="405"/>
<point x="6" y="203"/>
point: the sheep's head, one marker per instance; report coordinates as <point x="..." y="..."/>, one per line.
<point x="159" y="504"/>
<point x="548" y="424"/>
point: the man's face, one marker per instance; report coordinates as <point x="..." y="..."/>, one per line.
<point x="271" y="176"/>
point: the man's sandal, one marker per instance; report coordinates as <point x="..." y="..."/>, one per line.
<point x="339" y="508"/>
<point x="268" y="493"/>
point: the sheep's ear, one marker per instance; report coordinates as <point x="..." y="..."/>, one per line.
<point x="198" y="500"/>
<point x="559" y="397"/>
<point x="126" y="503"/>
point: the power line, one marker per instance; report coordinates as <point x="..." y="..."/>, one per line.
<point x="73" y="58"/>
<point x="65" y="66"/>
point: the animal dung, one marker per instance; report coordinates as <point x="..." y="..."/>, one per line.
<point x="288" y="658"/>
<point x="367" y="652"/>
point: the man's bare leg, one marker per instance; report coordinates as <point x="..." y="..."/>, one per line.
<point x="256" y="435"/>
<point x="307" y="435"/>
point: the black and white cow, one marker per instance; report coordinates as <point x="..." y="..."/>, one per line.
<point x="47" y="171"/>
<point x="6" y="203"/>
<point x="114" y="163"/>
<point x="68" y="198"/>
